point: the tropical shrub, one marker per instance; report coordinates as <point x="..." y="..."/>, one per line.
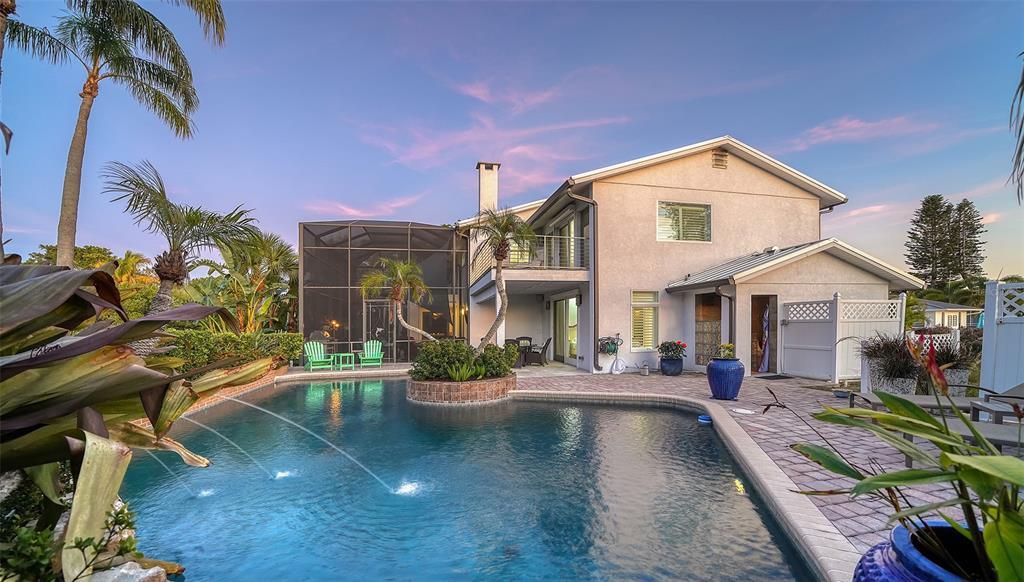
<point x="457" y="361"/>
<point x="727" y="351"/>
<point x="891" y="354"/>
<point x="498" y="361"/>
<point x="75" y="397"/>
<point x="672" y="350"/>
<point x="981" y="482"/>
<point x="201" y="347"/>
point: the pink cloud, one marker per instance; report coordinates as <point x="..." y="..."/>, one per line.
<point x="991" y="217"/>
<point x="420" y="147"/>
<point x="848" y="129"/>
<point x="867" y="210"/>
<point x="516" y="99"/>
<point x="984" y="189"/>
<point x="341" y="210"/>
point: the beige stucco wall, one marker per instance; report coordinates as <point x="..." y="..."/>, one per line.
<point x="814" y="278"/>
<point x="750" y="210"/>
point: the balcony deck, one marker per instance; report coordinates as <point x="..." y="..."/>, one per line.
<point x="551" y="259"/>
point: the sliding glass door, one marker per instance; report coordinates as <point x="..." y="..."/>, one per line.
<point x="566" y="328"/>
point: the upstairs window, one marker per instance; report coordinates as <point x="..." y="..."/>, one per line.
<point x="684" y="222"/>
<point x="644" y="321"/>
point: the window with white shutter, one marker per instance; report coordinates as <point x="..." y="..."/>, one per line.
<point x="644" y="320"/>
<point x="684" y="222"/>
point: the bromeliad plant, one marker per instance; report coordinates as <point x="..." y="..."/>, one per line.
<point x="984" y="484"/>
<point x="672" y="350"/>
<point x="73" y="395"/>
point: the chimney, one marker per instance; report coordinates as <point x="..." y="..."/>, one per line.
<point x="488" y="174"/>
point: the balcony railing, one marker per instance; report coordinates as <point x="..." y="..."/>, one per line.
<point x="547" y="252"/>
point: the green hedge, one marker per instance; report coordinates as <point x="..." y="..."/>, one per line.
<point x="435" y="359"/>
<point x="199" y="347"/>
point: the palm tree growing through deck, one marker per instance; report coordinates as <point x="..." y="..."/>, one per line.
<point x="401" y="281"/>
<point x="187" y="229"/>
<point x="121" y="42"/>
<point x="497" y="234"/>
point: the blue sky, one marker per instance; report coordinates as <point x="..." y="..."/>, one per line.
<point x="337" y="110"/>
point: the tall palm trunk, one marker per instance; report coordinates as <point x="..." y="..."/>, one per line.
<point x="162" y="300"/>
<point x="499" y="318"/>
<point x="7" y="8"/>
<point x="68" y="224"/>
<point x="401" y="319"/>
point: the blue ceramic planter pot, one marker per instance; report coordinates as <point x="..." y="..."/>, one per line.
<point x="725" y="377"/>
<point x="670" y="367"/>
<point x="898" y="560"/>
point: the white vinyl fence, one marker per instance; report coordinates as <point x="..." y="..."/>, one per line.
<point x="820" y="339"/>
<point x="1002" y="349"/>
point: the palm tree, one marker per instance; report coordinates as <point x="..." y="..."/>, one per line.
<point x="256" y="276"/>
<point x="497" y="234"/>
<point x="960" y="292"/>
<point x="119" y="41"/>
<point x="187" y="229"/>
<point x="131" y="269"/>
<point x="402" y="281"/>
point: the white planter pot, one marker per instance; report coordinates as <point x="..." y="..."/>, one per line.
<point x="880" y="383"/>
<point x="957" y="380"/>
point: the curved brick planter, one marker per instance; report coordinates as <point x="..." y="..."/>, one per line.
<point x="435" y="392"/>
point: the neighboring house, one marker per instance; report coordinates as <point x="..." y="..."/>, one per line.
<point x="940" y="313"/>
<point x="703" y="243"/>
<point x="697" y="243"/>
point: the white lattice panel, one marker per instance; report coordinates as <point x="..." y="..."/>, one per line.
<point x="1011" y="302"/>
<point x="811" y="311"/>
<point x="873" y="310"/>
<point x="946" y="340"/>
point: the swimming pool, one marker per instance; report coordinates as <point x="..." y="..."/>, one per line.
<point x="513" y="490"/>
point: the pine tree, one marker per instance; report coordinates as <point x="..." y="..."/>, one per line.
<point x="929" y="241"/>
<point x="968" y="247"/>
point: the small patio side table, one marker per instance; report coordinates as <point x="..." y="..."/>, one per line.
<point x="344" y="361"/>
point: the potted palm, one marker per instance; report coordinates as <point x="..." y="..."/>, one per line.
<point x="985" y="540"/>
<point x="725" y="373"/>
<point x="671" y="357"/>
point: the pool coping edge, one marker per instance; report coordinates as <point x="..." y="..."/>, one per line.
<point x="828" y="553"/>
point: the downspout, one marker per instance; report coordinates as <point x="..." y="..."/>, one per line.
<point x="596" y="278"/>
<point x="732" y="313"/>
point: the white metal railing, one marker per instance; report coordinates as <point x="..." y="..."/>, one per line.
<point x="547" y="252"/>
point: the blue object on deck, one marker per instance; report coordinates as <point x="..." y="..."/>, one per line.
<point x="704" y="419"/>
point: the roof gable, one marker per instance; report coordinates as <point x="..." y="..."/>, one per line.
<point x="828" y="196"/>
<point x="749" y="266"/>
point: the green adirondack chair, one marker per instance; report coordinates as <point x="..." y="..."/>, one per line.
<point x="316" y="359"/>
<point x="371" y="355"/>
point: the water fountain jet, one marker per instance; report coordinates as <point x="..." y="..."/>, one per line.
<point x="314" y="435"/>
<point x="173" y="474"/>
<point x="232" y="443"/>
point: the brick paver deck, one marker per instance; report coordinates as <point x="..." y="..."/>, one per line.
<point x="862" y="520"/>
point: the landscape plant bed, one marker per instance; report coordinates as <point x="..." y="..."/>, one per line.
<point x="470" y="392"/>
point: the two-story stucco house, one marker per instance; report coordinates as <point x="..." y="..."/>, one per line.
<point x="701" y="243"/>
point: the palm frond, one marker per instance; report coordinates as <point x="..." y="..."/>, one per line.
<point x="38" y="43"/>
<point x="209" y="12"/>
<point x="139" y="26"/>
<point x="164" y="106"/>
<point x="501" y="229"/>
<point x="1017" y="125"/>
<point x="130" y="70"/>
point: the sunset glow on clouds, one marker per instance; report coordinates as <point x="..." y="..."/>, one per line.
<point x="380" y="111"/>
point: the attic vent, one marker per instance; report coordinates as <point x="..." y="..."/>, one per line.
<point x="720" y="159"/>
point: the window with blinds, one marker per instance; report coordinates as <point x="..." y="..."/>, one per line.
<point x="684" y="221"/>
<point x="644" y="320"/>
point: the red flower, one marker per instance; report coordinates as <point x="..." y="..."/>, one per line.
<point x="679" y="343"/>
<point x="684" y="345"/>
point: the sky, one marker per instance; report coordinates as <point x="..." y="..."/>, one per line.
<point x="333" y="110"/>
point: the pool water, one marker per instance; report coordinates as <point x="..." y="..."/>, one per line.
<point x="514" y="490"/>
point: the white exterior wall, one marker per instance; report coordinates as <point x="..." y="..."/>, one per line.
<point x="750" y="210"/>
<point x="817" y="277"/>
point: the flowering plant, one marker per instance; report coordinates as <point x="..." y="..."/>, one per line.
<point x="672" y="350"/>
<point x="984" y="485"/>
<point x="726" y="351"/>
